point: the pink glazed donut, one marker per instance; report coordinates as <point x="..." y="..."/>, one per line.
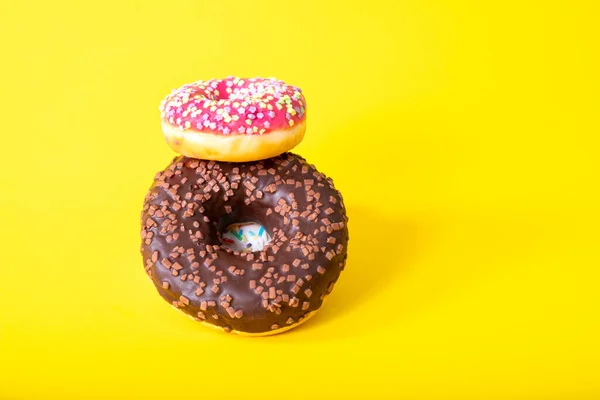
<point x="234" y="119"/>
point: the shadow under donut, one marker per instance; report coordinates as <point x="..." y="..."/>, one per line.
<point x="379" y="249"/>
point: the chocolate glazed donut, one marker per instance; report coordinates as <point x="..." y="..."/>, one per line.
<point x="264" y="292"/>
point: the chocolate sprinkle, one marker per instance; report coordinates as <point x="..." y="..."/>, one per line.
<point x="192" y="201"/>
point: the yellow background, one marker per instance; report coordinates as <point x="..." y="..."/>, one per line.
<point x="463" y="135"/>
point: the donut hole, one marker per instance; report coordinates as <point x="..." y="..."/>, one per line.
<point x="243" y="234"/>
<point x="228" y="90"/>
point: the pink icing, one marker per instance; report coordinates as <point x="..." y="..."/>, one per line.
<point x="234" y="106"/>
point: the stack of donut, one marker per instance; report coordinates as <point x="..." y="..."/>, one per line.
<point x="237" y="232"/>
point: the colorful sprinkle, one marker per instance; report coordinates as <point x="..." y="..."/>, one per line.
<point x="247" y="236"/>
<point x="233" y="105"/>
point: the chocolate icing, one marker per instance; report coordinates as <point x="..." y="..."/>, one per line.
<point x="192" y="201"/>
